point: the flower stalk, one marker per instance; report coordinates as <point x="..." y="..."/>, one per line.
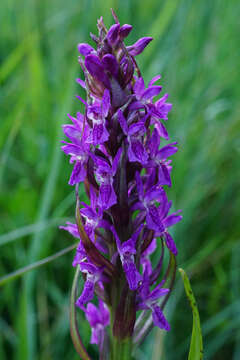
<point x="119" y="149"/>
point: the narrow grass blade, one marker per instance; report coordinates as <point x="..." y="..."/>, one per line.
<point x="22" y="271"/>
<point x="196" y="346"/>
<point x="29" y="229"/>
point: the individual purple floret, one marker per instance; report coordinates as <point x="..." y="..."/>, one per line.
<point x="119" y="152"/>
<point x="98" y="318"/>
<point x="93" y="275"/>
<point x="149" y="300"/>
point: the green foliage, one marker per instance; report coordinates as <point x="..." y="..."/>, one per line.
<point x="196" y="346"/>
<point x="196" y="49"/>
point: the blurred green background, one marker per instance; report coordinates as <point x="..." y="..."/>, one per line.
<point x="196" y="49"/>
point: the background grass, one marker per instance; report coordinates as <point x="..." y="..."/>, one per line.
<point x="196" y="49"/>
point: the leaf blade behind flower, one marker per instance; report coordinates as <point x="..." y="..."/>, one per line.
<point x="196" y="346"/>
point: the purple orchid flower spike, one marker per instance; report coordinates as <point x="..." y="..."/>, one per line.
<point x="98" y="318"/>
<point x="116" y="151"/>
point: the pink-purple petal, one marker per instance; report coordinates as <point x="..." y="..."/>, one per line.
<point x="150" y="92"/>
<point x="139" y="46"/>
<point x="170" y="243"/>
<point x="159" y="319"/>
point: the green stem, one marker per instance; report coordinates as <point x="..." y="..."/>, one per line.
<point x="121" y="349"/>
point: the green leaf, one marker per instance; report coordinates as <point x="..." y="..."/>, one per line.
<point x="76" y="338"/>
<point x="196" y="346"/>
<point x="15" y="274"/>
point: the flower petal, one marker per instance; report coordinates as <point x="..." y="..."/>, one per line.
<point x="78" y="173"/>
<point x="110" y="64"/>
<point x="85" y="49"/>
<point x="87" y="294"/>
<point x="106" y="103"/>
<point x="132" y="275"/>
<point x="166" y="151"/>
<point x="122" y="122"/>
<point x="125" y="31"/>
<point x="139" y="46"/>
<point x="96" y="69"/>
<point x="153" y="219"/>
<point x="159" y="319"/>
<point x="172" y="219"/>
<point x="137" y="152"/>
<point x="151" y="92"/>
<point x="107" y="197"/>
<point x="170" y="243"/>
<point x="113" y="34"/>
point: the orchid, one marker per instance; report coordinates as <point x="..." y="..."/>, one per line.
<point x="116" y="147"/>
